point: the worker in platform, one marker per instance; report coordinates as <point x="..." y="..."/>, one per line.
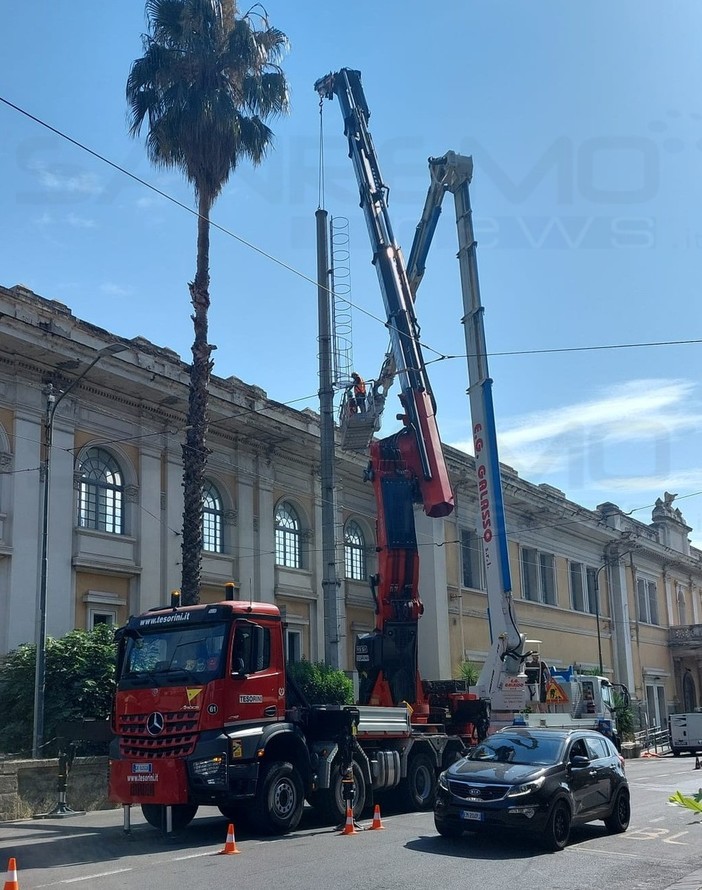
<point x="359" y="392"/>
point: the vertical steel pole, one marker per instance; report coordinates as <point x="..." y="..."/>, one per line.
<point x="330" y="582"/>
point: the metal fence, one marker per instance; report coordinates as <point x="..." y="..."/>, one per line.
<point x="653" y="739"/>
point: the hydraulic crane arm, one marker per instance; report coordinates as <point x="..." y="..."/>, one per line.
<point x="407" y="467"/>
<point x="425" y="455"/>
<point x="453" y="173"/>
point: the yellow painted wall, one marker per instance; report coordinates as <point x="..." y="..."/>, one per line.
<point x="86" y="581"/>
<point x="7" y="420"/>
<point x="83" y="438"/>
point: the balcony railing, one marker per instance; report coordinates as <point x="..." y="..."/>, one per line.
<point x="687" y="636"/>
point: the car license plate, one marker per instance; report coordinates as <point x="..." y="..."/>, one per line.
<point x="471" y="815"/>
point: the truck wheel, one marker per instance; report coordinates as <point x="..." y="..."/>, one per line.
<point x="181" y="815"/>
<point x="418" y="790"/>
<point x="234" y="813"/>
<point x="280" y="798"/>
<point x="557" y="830"/>
<point x="330" y="802"/>
<point x="676" y="752"/>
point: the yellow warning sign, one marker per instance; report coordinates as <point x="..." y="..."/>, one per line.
<point x="554" y="692"/>
<point x="192" y="693"/>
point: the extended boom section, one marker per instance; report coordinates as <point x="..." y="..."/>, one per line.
<point x="503" y="678"/>
<point x="407" y="467"/>
<point x="425" y="454"/>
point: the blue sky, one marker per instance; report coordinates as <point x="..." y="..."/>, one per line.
<point x="585" y="125"/>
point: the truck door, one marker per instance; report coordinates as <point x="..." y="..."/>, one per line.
<point x="257" y="690"/>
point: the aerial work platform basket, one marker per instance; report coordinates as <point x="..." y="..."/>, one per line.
<point x="358" y="423"/>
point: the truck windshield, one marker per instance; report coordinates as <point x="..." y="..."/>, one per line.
<point x="173" y="655"/>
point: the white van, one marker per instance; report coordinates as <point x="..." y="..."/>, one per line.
<point x="685" y="733"/>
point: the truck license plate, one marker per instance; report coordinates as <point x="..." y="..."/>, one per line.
<point x="471" y="815"/>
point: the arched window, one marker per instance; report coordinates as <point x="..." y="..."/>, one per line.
<point x="354" y="552"/>
<point x="211" y="519"/>
<point x="101" y="498"/>
<point x="288" y="551"/>
<point x="689" y="692"/>
<point x="682" y="610"/>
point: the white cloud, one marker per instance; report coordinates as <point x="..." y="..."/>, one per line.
<point x="75" y="183"/>
<point x="149" y="201"/>
<point x="638" y="412"/>
<point x="115" y="290"/>
<point x="80" y="222"/>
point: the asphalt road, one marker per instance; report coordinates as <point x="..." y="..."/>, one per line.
<point x="662" y="849"/>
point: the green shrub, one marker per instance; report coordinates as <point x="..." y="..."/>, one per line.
<point x="321" y="684"/>
<point x="469" y="672"/>
<point x="624" y="714"/>
<point x="80" y="684"/>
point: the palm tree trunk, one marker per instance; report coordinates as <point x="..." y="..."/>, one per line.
<point x="195" y="450"/>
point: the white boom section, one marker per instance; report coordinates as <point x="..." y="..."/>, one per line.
<point x="502" y="679"/>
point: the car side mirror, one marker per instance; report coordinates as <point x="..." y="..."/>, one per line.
<point x="238" y="667"/>
<point x="579" y="761"/>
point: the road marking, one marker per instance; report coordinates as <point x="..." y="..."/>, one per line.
<point x="194" y="855"/>
<point x="619" y="853"/>
<point x="669" y="840"/>
<point x="654" y="834"/>
<point x="102" y="874"/>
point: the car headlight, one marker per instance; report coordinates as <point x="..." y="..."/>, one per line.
<point x="526" y="788"/>
<point x="443" y="781"/>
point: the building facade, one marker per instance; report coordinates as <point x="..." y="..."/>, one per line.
<point x="594" y="588"/>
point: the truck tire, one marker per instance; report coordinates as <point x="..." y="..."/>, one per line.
<point x="676" y="752"/>
<point x="418" y="789"/>
<point x="235" y="813"/>
<point x="280" y="798"/>
<point x="330" y="803"/>
<point x="181" y="815"/>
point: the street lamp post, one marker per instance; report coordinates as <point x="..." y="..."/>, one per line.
<point x="52" y="403"/>
<point x="597" y="613"/>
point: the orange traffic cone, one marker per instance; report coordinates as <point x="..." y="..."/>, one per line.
<point x="377" y="825"/>
<point x="349" y="828"/>
<point x="11" y="882"/>
<point x="230" y="845"/>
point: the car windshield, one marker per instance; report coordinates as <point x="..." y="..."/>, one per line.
<point x="193" y="653"/>
<point x="523" y="749"/>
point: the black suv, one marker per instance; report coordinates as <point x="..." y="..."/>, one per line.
<point x="540" y="781"/>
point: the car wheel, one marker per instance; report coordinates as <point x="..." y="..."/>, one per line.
<point x="448" y="829"/>
<point x="618" y="820"/>
<point x="557" y="830"/>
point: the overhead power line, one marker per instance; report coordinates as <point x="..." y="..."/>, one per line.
<point x="269" y="256"/>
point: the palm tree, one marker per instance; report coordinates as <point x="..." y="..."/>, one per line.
<point x="206" y="84"/>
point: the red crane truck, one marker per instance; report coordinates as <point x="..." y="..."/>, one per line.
<point x="204" y="713"/>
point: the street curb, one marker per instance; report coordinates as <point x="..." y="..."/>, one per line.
<point x="691" y="882"/>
